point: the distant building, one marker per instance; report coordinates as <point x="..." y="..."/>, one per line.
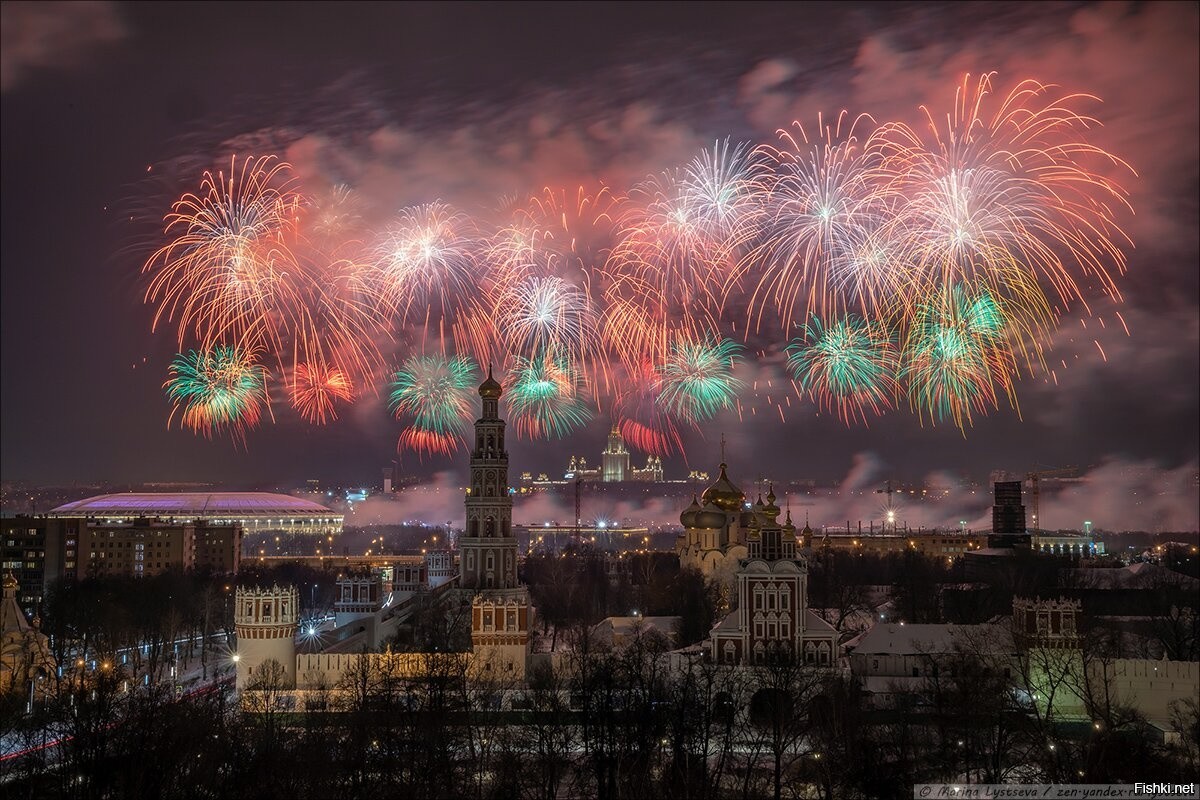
<point x="256" y="512"/>
<point x="150" y="547"/>
<point x="1008" y="517"/>
<point x="890" y="659"/>
<point x="616" y="633"/>
<point x="32" y="551"/>
<point x="440" y="567"/>
<point x="357" y="595"/>
<point x="615" y="465"/>
<point x="944" y="544"/>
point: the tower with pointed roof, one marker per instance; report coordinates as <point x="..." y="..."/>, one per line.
<point x="501" y="615"/>
<point x="614" y="461"/>
<point x="488" y="548"/>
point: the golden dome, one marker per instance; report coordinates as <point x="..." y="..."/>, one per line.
<point x="688" y="517"/>
<point x="711" y="517"/>
<point x="724" y="494"/>
<point x="491" y="388"/>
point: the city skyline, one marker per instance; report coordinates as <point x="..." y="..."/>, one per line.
<point x="365" y="126"/>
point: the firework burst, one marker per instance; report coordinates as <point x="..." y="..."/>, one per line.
<point x="957" y="362"/>
<point x="847" y="366"/>
<point x="222" y="390"/>
<point x="544" y="397"/>
<point x="434" y="393"/>
<point x="227" y="273"/>
<point x="697" y="378"/>
<point x="315" y="388"/>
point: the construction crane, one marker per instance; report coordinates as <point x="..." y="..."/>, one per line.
<point x="1033" y="477"/>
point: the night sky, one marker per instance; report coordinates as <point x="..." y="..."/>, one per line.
<point x="111" y="111"/>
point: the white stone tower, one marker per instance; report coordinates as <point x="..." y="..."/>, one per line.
<point x="265" y="621"/>
<point x="501" y="615"/>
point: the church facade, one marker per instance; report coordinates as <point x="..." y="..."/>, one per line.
<point x="772" y="618"/>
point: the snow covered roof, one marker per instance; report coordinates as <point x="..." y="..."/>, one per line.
<point x="907" y="640"/>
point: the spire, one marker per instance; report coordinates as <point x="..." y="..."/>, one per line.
<point x="490" y="388"/>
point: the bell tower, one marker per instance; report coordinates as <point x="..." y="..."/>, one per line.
<point x="487" y="548"/>
<point x="501" y="616"/>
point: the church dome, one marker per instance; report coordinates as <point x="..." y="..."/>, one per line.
<point x="689" y="515"/>
<point x="724" y="494"/>
<point x="491" y="388"/>
<point x="770" y="509"/>
<point x="711" y="517"/>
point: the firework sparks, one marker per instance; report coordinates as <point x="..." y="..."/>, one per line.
<point x="543" y="398"/>
<point x="846" y="366"/>
<point x="435" y="393"/>
<point x="215" y="391"/>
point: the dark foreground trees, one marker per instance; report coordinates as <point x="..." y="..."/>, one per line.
<point x="639" y="723"/>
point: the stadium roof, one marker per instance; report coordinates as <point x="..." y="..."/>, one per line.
<point x="212" y="505"/>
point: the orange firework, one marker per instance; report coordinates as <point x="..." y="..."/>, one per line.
<point x="228" y="274"/>
<point x="315" y="387"/>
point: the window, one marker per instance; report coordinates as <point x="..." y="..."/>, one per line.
<point x="511" y="624"/>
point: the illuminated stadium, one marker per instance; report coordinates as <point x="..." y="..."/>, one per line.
<point x="256" y="511"/>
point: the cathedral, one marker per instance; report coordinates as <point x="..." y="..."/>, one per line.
<point x="714" y="530"/>
<point x="754" y="557"/>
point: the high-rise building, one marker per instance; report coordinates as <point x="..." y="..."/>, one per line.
<point x="501" y="615"/>
<point x="615" y="465"/>
<point x="614" y="461"/>
<point x="41" y="550"/>
<point x="1008" y="516"/>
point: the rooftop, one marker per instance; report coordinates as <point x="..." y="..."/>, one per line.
<point x="911" y="640"/>
<point x="193" y="504"/>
